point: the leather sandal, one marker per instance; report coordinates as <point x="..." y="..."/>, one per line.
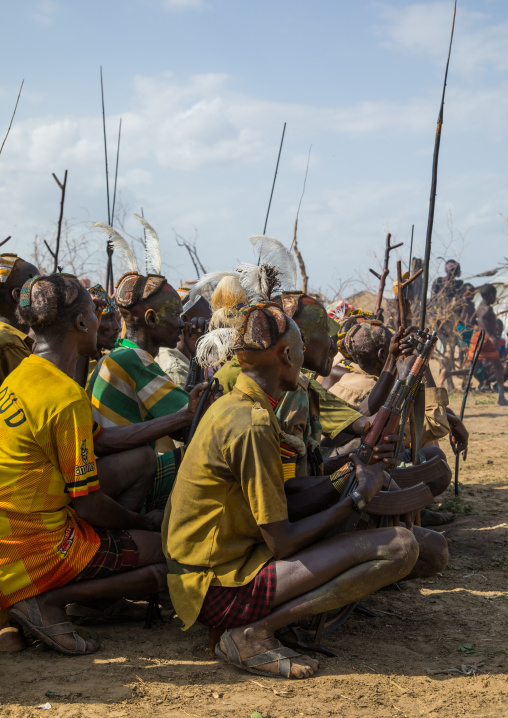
<point x="280" y="654"/>
<point x="33" y="624"/>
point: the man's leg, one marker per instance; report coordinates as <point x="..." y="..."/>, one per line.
<point x="329" y="574"/>
<point x="499" y="369"/>
<point x="149" y="577"/>
<point x="128" y="475"/>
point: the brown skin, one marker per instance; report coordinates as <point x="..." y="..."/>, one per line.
<point x="108" y="332"/>
<point x="80" y="339"/>
<point x="9" y="292"/>
<point x="487" y="321"/>
<point x="314" y="573"/>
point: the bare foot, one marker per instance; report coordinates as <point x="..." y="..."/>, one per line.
<point x="51" y="614"/>
<point x="502" y="401"/>
<point x="251" y="642"/>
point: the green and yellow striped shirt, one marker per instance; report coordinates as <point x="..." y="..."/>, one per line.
<point x="129" y="387"/>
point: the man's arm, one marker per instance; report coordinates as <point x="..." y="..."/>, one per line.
<point x="103" y="512"/>
<point x="285" y="538"/>
<point x="120" y="438"/>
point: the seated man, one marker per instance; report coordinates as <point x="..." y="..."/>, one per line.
<point x="176" y="362"/>
<point x="235" y="561"/>
<point x="299" y="412"/>
<point x="367" y="345"/>
<point x="129" y="387"/>
<point x="51" y="553"/>
<point x="15" y="345"/>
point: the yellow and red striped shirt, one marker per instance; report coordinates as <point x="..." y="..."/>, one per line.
<point x="46" y="459"/>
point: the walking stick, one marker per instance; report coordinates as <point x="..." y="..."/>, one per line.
<point x="478" y="348"/>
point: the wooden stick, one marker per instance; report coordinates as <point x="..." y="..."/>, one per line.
<point x="384" y="274"/>
<point x="12" y="118"/>
<point x="55" y="253"/>
<point x="401" y="286"/>
<point x="9" y="237"/>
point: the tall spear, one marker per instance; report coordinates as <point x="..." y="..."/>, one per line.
<point x="432" y="205"/>
<point x="274" y="177"/>
<point x="109" y="248"/>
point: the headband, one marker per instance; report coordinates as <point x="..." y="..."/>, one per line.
<point x="7" y="262"/>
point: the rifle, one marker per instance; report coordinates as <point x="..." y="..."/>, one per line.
<point x="397" y="405"/>
<point x="478" y="348"/>
<point x="195" y="376"/>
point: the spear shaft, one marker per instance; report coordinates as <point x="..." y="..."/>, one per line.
<point x="274" y="178"/>
<point x="433" y="190"/>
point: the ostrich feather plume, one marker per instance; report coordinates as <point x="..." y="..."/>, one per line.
<point x="152" y="247"/>
<point x="217" y="346"/>
<point x="276" y="270"/>
<point x="228" y="293"/>
<point x="208" y="281"/>
<point x="271" y="251"/>
<point x="120" y="245"/>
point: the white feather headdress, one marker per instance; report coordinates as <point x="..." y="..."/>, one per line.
<point x="209" y="282"/>
<point x="120" y="245"/>
<point x="275" y="273"/>
<point x="152" y="247"/>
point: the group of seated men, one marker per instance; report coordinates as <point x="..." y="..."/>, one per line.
<point x="104" y="499"/>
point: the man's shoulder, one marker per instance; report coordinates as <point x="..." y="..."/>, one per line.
<point x="10" y="336"/>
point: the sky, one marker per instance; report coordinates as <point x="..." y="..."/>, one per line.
<point x="204" y="87"/>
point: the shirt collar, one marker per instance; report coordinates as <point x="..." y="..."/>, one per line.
<point x="126" y="343"/>
<point x="252" y="389"/>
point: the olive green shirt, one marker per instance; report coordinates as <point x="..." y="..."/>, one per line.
<point x="229" y="483"/>
<point x="15" y="346"/>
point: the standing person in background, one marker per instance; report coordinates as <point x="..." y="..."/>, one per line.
<point x="487" y="321"/>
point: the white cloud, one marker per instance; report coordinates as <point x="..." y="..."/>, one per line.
<point x="423" y="29"/>
<point x="195" y="153"/>
<point x="179" y="5"/>
<point x="44" y="12"/>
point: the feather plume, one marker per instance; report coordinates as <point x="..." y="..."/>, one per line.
<point x="228" y="318"/>
<point x="120" y="245"/>
<point x="217" y="346"/>
<point x="276" y="271"/>
<point x="273" y="252"/>
<point x="228" y="293"/>
<point x="209" y="281"/>
<point x="152" y="247"/>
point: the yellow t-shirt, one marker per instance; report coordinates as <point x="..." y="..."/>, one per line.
<point x="46" y="459"/>
<point x="230" y="481"/>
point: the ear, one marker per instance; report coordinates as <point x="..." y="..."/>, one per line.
<point x="80" y="323"/>
<point x="150" y="318"/>
<point x="285" y="356"/>
<point x="15" y="294"/>
<point x="381" y="355"/>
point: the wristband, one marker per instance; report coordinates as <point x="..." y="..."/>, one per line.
<point x="340" y="477"/>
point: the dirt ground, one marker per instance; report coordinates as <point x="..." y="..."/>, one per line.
<point x="437" y="648"/>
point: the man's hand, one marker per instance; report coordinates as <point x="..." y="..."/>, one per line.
<point x="459" y="435"/>
<point x="154" y="520"/>
<point x="196" y="394"/>
<point x="386" y="452"/>
<point x="400" y="344"/>
<point x="370" y="478"/>
<point x="192" y="333"/>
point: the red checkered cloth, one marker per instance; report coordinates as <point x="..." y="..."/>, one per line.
<point x="117" y="552"/>
<point x="226" y="607"/>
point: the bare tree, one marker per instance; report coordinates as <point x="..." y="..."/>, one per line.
<point x="190" y="246"/>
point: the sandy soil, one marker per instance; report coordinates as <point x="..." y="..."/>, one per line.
<point x="438" y="648"/>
